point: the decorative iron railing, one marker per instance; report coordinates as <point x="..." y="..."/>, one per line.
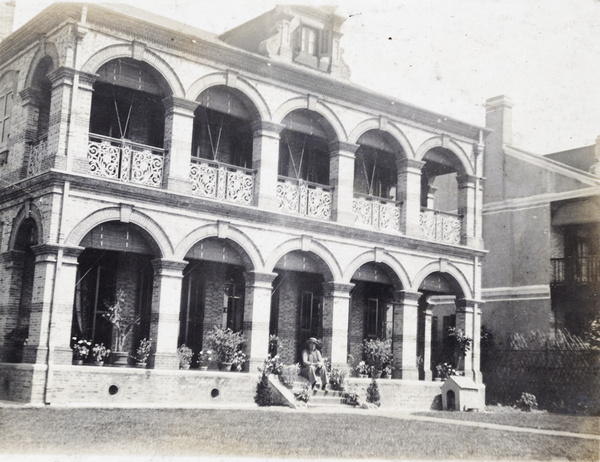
<point x="304" y="198"/>
<point x="125" y="161"/>
<point x="222" y="181"/>
<point x="377" y="213"/>
<point x="37" y="154"/>
<point x="440" y="226"/>
<point x="576" y="270"/>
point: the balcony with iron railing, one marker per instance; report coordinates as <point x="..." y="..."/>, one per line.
<point x="222" y="181"/>
<point x="440" y="226"/>
<point x="300" y="197"/>
<point x="126" y="161"/>
<point x="576" y="270"/>
<point x="37" y="154"/>
<point x="376" y="213"/>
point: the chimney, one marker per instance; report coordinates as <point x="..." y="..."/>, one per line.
<point x="7" y="17"/>
<point x="498" y="117"/>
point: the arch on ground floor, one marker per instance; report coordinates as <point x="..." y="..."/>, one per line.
<point x="27" y="211"/>
<point x="157" y="238"/>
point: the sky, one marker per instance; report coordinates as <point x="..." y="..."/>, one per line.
<point x="450" y="56"/>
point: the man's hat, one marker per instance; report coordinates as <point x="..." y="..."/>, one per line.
<point x="312" y="340"/>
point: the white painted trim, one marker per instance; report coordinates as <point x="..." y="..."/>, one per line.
<point x="519" y="293"/>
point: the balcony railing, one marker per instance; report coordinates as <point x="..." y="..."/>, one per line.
<point x="376" y="213"/>
<point x="125" y="161"/>
<point x="222" y="181"/>
<point x="440" y="226"/>
<point x="36" y="156"/>
<point x="576" y="270"/>
<point x="304" y="198"/>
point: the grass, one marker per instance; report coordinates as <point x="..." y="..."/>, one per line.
<point x="267" y="433"/>
<point x="504" y="415"/>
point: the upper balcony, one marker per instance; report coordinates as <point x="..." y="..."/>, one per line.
<point x="576" y="270"/>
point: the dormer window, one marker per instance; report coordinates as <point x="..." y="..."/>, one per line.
<point x="310" y="38"/>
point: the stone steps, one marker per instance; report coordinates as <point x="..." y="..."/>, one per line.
<point x="318" y="397"/>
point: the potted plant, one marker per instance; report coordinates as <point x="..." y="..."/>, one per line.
<point x="204" y="357"/>
<point x="100" y="352"/>
<point x="81" y="350"/>
<point x="361" y="369"/>
<point x="239" y="358"/>
<point x="185" y="356"/>
<point x="225" y="343"/>
<point x="461" y="345"/>
<point x="377" y="354"/>
<point x="122" y="324"/>
<point x="142" y="353"/>
<point x="444" y="370"/>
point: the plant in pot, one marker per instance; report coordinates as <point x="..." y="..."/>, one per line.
<point x="123" y="325"/>
<point x="142" y="353"/>
<point x="461" y="344"/>
<point x="377" y="354"/>
<point x="225" y="343"/>
<point x="204" y="358"/>
<point x="185" y="356"/>
<point x="239" y="358"/>
<point x="81" y="349"/>
<point x="361" y="370"/>
<point x="100" y="353"/>
<point x="444" y="370"/>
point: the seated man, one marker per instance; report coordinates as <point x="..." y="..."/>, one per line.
<point x="313" y="366"/>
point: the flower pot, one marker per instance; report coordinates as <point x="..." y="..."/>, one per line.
<point x="184" y="366"/>
<point x="377" y="374"/>
<point x="203" y="368"/>
<point x="363" y="376"/>
<point x="225" y="367"/>
<point x="77" y="362"/>
<point x="98" y="363"/>
<point x="140" y="365"/>
<point x="119" y="358"/>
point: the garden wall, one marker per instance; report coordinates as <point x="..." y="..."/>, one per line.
<point x="561" y="380"/>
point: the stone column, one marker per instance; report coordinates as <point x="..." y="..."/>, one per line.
<point x="466" y="209"/>
<point x="409" y="185"/>
<point x="62" y="80"/>
<point x="257" y="314"/>
<point x="265" y="160"/>
<point x="341" y="177"/>
<point x="12" y="263"/>
<point x="79" y="131"/>
<point x="179" y="126"/>
<point x="465" y="321"/>
<point x="404" y="337"/>
<point x="164" y="322"/>
<point x="336" y="312"/>
<point x="427" y="344"/>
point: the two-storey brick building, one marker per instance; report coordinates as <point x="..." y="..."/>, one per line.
<point x="237" y="180"/>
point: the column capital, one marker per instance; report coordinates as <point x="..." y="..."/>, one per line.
<point x="166" y="267"/>
<point x="180" y="105"/>
<point x="467" y="304"/>
<point x="404" y="296"/>
<point x="410" y="164"/>
<point x="266" y="128"/>
<point x="42" y="251"/>
<point x="348" y="149"/>
<point x="337" y="288"/>
<point x="466" y="180"/>
<point x="259" y="279"/>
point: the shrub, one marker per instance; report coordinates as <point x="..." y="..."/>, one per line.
<point x="185" y="355"/>
<point x="338" y="378"/>
<point x="377" y="353"/>
<point x="373" y="395"/>
<point x="303" y="395"/>
<point x="289" y="374"/>
<point x="264" y="394"/>
<point x="225" y="343"/>
<point x="527" y="402"/>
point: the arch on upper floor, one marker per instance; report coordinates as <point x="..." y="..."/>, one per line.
<point x="378" y="256"/>
<point x="316" y="106"/>
<point x="461" y="161"/>
<point x="172" y="84"/>
<point x="306" y="244"/>
<point x="232" y="81"/>
<point x="389" y="128"/>
<point x="157" y="238"/>
<point x="29" y="210"/>
<point x="247" y="250"/>
<point x="447" y="268"/>
<point x="46" y="50"/>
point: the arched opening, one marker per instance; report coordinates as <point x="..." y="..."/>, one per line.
<point x="376" y="181"/>
<point x="303" y="184"/>
<point x="297" y="302"/>
<point x="213" y="291"/>
<point x="222" y="145"/>
<point x="371" y="306"/>
<point x="115" y="265"/>
<point x="440" y="220"/>
<point x="127" y="122"/>
<point x="22" y="287"/>
<point x="39" y="116"/>
<point x="437" y="316"/>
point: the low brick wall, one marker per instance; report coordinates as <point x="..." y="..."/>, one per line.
<point x="22" y="383"/>
<point x="403" y="394"/>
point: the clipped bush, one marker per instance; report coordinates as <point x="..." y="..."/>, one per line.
<point x="527" y="402"/>
<point x="264" y="394"/>
<point x="373" y="395"/>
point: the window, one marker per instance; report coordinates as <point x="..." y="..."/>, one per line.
<point x="6" y="103"/>
<point x="309" y="40"/>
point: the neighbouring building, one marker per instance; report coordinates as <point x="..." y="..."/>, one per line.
<point x="541" y="225"/>
<point x="238" y="180"/>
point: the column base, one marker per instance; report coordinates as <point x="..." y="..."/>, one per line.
<point x="164" y="361"/>
<point x="33" y="354"/>
<point x="406" y="374"/>
<point x="254" y="364"/>
<point x="428" y="376"/>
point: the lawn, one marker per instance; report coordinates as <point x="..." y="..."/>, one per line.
<point x="267" y="433"/>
